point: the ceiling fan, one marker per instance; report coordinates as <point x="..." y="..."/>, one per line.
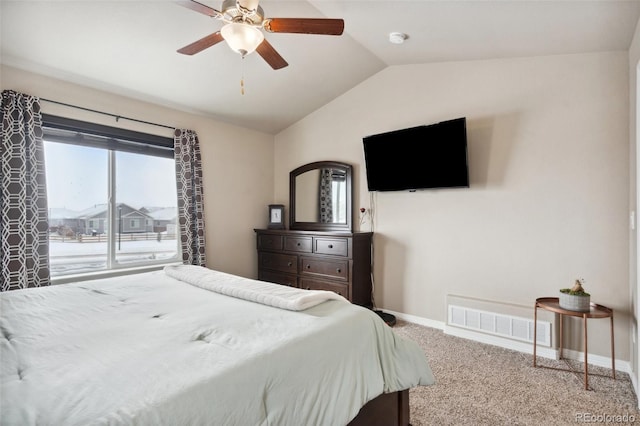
<point x="244" y="20"/>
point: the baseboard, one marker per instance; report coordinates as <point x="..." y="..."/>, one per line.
<point x="417" y="320"/>
<point x="514" y="345"/>
<point x="546" y="352"/>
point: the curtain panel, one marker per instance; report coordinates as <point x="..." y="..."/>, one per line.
<point x="24" y="239"/>
<point x="325" y="198"/>
<point x="190" y="196"/>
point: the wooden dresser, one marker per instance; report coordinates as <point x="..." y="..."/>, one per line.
<point x="336" y="261"/>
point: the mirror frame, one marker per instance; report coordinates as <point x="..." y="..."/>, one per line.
<point x="317" y="226"/>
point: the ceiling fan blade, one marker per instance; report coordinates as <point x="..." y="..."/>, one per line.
<point x="203" y="43"/>
<point x="199" y="7"/>
<point x="305" y="26"/>
<point x="269" y="54"/>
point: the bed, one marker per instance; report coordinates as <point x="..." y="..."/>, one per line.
<point x="192" y="346"/>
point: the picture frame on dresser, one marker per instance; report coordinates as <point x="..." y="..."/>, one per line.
<point x="276" y="216"/>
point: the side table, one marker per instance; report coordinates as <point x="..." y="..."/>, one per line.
<point x="552" y="304"/>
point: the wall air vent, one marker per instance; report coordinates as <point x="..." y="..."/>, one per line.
<point x="507" y="326"/>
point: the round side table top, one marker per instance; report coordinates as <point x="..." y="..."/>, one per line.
<point x="553" y="304"/>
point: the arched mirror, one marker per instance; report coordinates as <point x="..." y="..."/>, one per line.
<point x="320" y="197"/>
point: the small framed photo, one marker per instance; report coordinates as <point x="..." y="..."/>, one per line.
<point x="276" y="216"/>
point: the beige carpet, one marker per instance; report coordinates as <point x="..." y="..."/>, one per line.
<point x="480" y="384"/>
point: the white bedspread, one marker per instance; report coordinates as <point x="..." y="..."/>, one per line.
<point x="151" y="350"/>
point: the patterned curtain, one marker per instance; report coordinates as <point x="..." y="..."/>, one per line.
<point x="24" y="240"/>
<point x="325" y="196"/>
<point x="190" y="198"/>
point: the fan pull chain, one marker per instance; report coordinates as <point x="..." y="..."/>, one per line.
<point x="242" y="76"/>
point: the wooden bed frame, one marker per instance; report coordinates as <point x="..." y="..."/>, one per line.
<point x="388" y="409"/>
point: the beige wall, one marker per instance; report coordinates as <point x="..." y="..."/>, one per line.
<point x="549" y="197"/>
<point x="238" y="171"/>
<point x="634" y="77"/>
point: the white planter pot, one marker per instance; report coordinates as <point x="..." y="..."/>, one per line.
<point x="575" y="303"/>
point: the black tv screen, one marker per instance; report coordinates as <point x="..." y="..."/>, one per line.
<point x="422" y="157"/>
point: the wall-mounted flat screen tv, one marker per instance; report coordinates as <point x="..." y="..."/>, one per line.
<point x="422" y="157"/>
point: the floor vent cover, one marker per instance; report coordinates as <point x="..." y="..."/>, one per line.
<point x="508" y="326"/>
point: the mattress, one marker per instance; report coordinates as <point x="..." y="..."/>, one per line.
<point x="153" y="349"/>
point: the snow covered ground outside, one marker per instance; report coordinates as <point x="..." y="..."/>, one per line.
<point x="73" y="257"/>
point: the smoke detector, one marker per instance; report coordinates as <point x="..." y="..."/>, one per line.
<point x="397" y="38"/>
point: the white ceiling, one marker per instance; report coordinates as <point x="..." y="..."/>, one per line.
<point x="129" y="47"/>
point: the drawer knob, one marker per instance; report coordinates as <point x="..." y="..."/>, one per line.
<point x="298" y="244"/>
<point x="330" y="246"/>
<point x="338" y="270"/>
<point x="289" y="263"/>
<point x="308" y="266"/>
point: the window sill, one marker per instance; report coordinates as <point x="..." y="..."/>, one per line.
<point x="110" y="273"/>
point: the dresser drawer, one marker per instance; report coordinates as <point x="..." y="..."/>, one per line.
<point x="311" y="284"/>
<point x="330" y="268"/>
<point x="298" y="244"/>
<point x="333" y="246"/>
<point x="270" y="242"/>
<point x="278" y="262"/>
<point x="278" y="278"/>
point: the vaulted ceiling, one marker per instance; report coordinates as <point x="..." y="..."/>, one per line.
<point x="129" y="47"/>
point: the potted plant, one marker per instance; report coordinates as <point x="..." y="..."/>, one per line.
<point x="575" y="298"/>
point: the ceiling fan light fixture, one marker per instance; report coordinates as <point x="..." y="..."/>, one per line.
<point x="242" y="38"/>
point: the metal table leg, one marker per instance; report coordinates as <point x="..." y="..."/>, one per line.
<point x="586" y="365"/>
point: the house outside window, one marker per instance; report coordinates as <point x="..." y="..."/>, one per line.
<point x="82" y="168"/>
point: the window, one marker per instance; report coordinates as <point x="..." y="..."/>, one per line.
<point x="87" y="168"/>
<point x="339" y="200"/>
